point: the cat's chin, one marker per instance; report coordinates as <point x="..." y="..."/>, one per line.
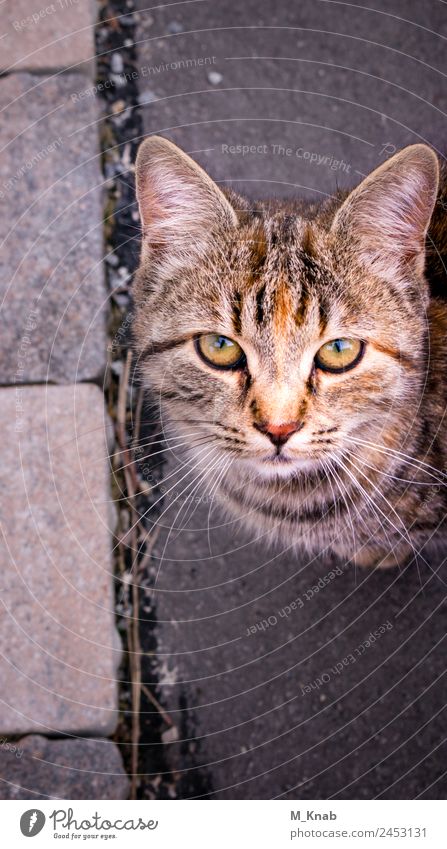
<point x="282" y="467"/>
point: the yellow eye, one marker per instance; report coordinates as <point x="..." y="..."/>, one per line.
<point x="220" y="351"/>
<point x="339" y="355"/>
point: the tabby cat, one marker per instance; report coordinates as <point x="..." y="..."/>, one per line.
<point x="300" y="350"/>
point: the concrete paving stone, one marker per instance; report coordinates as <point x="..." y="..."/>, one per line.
<point x="47" y="36"/>
<point x="37" y="768"/>
<point x="52" y="290"/>
<point x="59" y="649"/>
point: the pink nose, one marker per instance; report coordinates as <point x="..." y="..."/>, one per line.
<point x="278" y="434"/>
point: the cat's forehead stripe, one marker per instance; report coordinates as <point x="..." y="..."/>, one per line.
<point x="260" y="311"/>
<point x="237" y="310"/>
<point x="284" y="308"/>
<point x="279" y="292"/>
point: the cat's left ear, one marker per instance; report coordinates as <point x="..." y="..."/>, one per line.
<point x="384" y="221"/>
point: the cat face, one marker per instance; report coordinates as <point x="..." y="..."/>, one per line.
<point x="272" y="338"/>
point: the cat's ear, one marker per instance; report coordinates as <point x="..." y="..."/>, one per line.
<point x="180" y="205"/>
<point x="385" y="219"/>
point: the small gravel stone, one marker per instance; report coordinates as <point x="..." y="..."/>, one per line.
<point x="170" y="735"/>
<point x="116" y="63"/>
<point x="175" y="26"/>
<point x="115" y="282"/>
<point x="117" y="367"/>
<point x="121" y="300"/>
<point x="118" y="80"/>
<point x="128" y="20"/>
<point x="146" y="96"/>
<point x="214" y="77"/>
<point x="118" y="107"/>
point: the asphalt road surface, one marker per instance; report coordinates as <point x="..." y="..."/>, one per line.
<point x="266" y="661"/>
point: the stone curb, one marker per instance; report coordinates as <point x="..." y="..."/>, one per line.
<point x="53" y="316"/>
<point x="59" y="649"/>
<point x="35" y="767"/>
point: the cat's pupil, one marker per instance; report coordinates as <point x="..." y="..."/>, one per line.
<point x="221" y="342"/>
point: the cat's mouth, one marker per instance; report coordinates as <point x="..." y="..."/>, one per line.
<point x="283" y="465"/>
<point x="278" y="458"/>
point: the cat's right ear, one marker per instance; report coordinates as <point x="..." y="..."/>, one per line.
<point x="384" y="221"/>
<point x="180" y="205"/>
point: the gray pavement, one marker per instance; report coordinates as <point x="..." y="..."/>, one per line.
<point x="265" y="661"/>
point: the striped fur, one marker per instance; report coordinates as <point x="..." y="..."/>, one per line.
<point x="365" y="473"/>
